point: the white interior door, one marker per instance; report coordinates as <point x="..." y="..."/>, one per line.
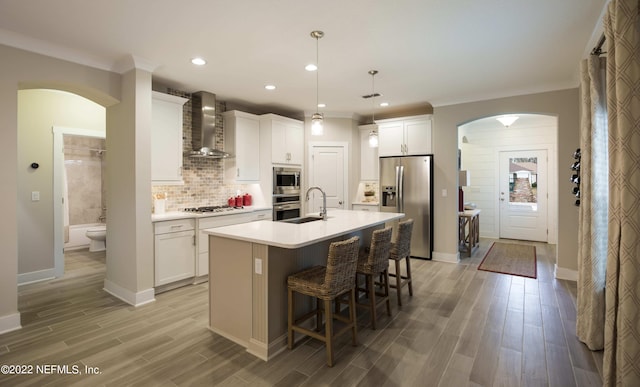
<point x="523" y="195"/>
<point x="329" y="173"/>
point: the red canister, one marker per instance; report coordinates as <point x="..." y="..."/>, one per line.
<point x="239" y="201"/>
<point x="231" y="202"/>
<point x="246" y="199"/>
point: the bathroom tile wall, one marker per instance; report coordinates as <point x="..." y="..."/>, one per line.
<point x="84" y="166"/>
<point x="203" y="178"/>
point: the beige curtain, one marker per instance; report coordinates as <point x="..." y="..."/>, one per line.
<point x="594" y="191"/>
<point x="622" y="322"/>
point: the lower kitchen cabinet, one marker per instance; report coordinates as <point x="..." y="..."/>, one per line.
<point x="181" y="249"/>
<point x="175" y="250"/>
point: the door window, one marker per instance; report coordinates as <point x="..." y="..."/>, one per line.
<point x="523" y="182"/>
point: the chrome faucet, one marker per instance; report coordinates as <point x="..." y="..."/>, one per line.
<point x="323" y="210"/>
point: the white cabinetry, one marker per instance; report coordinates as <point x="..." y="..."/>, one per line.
<point x="174" y="250"/>
<point x="287" y="138"/>
<point x="166" y="138"/>
<point x="405" y="136"/>
<point x="364" y="207"/>
<point x="202" y="263"/>
<point x="242" y="140"/>
<point x="368" y="155"/>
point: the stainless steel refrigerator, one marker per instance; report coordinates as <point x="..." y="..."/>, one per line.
<point x="406" y="185"/>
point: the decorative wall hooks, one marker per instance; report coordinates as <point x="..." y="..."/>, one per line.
<point x="575" y="176"/>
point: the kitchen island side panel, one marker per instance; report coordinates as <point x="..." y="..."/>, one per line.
<point x="230" y="288"/>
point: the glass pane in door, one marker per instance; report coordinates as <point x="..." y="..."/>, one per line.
<point x="523" y="182"/>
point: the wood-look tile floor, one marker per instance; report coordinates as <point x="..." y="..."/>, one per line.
<point x="462" y="327"/>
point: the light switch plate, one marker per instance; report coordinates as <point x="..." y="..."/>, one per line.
<point x="35" y="196"/>
<point x="444" y="193"/>
<point x="258" y="265"/>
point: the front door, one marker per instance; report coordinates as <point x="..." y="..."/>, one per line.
<point x="523" y="195"/>
<point x="327" y="172"/>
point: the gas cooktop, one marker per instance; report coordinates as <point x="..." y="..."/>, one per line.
<point x="204" y="209"/>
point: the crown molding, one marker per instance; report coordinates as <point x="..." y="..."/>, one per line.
<point x="330" y="114"/>
<point x="23" y="42"/>
<point x="130" y="62"/>
<point x="38" y="46"/>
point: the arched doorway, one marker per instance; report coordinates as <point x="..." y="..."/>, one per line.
<point x="39" y="204"/>
<point x="488" y="151"/>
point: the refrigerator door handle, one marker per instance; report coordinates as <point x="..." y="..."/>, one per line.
<point x="397" y="181"/>
<point x="400" y="188"/>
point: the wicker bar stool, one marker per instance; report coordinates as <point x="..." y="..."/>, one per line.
<point x="371" y="264"/>
<point x="328" y="284"/>
<point x="401" y="249"/>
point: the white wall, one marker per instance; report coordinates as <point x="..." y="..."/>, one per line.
<point x="481" y="142"/>
<point x="130" y="254"/>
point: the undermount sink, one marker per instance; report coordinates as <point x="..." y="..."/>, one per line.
<point x="306" y="219"/>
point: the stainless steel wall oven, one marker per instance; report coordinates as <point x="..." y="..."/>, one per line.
<point x="286" y="207"/>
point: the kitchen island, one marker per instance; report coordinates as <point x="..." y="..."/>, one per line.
<point x="249" y="265"/>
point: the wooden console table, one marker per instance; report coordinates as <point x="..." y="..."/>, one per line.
<point x="469" y="230"/>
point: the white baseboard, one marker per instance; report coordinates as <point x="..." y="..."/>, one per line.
<point x="36" y="276"/>
<point x="131" y="298"/>
<point x="446" y="257"/>
<point x="565" y="274"/>
<point x="10" y="323"/>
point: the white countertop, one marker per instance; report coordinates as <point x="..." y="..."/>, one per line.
<point x="172" y="215"/>
<point x="292" y="236"/>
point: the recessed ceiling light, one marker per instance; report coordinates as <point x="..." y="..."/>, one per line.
<point x="198" y="61"/>
<point x="270" y="87"/>
<point x="311" y="67"/>
<point x="384" y="104"/>
<point x="322" y="105"/>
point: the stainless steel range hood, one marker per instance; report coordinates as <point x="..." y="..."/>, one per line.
<point x="203" y="111"/>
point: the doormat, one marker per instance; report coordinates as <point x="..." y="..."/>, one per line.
<point x="510" y="258"/>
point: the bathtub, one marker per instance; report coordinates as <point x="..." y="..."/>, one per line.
<point x="77" y="236"/>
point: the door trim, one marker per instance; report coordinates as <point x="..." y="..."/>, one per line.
<point x="345" y="147"/>
<point x="58" y="190"/>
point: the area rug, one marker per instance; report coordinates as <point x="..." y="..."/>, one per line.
<point x="510" y="258"/>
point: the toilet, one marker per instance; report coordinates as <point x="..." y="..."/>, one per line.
<point x="98" y="238"/>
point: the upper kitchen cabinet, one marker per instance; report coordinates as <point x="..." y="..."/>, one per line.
<point x="166" y="138"/>
<point x="405" y="136"/>
<point x="287" y="138"/>
<point x="368" y="155"/>
<point x="242" y="140"/>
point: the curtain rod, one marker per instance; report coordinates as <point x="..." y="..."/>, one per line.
<point x="597" y="50"/>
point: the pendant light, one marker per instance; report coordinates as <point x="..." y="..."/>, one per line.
<point x="316" y="118"/>
<point x="373" y="135"/>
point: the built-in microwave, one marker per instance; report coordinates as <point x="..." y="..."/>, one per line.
<point x="286" y="181"/>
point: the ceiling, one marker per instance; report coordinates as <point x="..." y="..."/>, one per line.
<point x="427" y="52"/>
